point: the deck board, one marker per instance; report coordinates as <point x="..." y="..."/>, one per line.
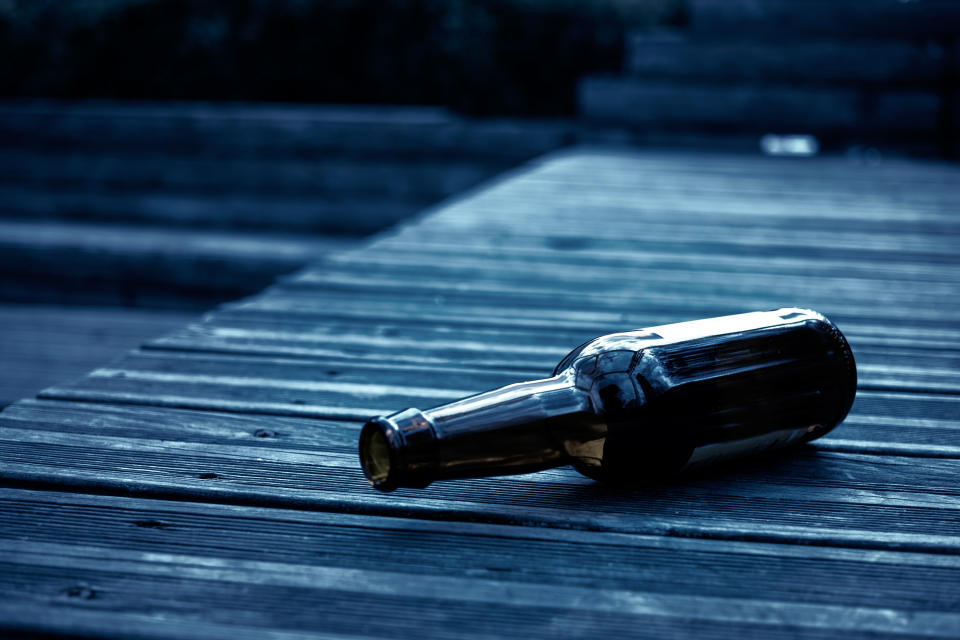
<point x="41" y="345"/>
<point x="206" y="485"/>
<point x="285" y="560"/>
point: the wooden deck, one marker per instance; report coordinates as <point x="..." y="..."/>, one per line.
<point x="206" y="485"/>
<point x="116" y="216"/>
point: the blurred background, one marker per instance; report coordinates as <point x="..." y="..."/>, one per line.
<point x="160" y="156"/>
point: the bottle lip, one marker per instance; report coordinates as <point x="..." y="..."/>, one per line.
<point x="377" y="458"/>
<point x="398" y="450"/>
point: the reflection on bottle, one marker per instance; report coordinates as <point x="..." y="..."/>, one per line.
<point x="633" y="407"/>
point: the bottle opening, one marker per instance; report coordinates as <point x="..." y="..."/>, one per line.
<point x="375" y="454"/>
<point x="398" y="450"/>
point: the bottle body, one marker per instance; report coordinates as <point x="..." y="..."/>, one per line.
<point x="637" y="406"/>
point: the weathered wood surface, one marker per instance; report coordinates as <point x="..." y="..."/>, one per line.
<point x="206" y="485"/>
<point x="43" y="345"/>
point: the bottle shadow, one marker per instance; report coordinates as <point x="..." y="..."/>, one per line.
<point x="800" y="466"/>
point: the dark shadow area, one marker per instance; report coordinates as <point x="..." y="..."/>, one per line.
<point x="171" y="155"/>
<point x="479" y="57"/>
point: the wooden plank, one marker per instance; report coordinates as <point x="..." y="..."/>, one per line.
<point x="907" y="424"/>
<point x="743" y="211"/>
<point x="124" y="549"/>
<point x="45" y="345"/>
<point x="284" y="314"/>
<point x="800" y="192"/>
<point x="921" y="258"/>
<point x="865" y="189"/>
<point x="331" y="388"/>
<point x="757" y="242"/>
<point x="880" y="422"/>
<point x="512" y="347"/>
<point x="357" y="387"/>
<point x="874" y="413"/>
<point x="618" y="164"/>
<point x="524" y="354"/>
<point x="630" y="282"/>
<point x="532" y="353"/>
<point x="456" y="312"/>
<point x="814" y="497"/>
<point x="247" y="588"/>
<point x="813" y="60"/>
<point x="549" y="305"/>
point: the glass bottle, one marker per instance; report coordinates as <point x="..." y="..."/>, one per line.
<point x="632" y="407"/>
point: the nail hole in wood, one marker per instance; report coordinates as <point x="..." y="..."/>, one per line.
<point x="79" y="591"/>
<point x="150" y="524"/>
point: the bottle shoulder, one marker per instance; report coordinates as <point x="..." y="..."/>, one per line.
<point x="628" y="370"/>
<point x="609" y="380"/>
<point x="721" y="328"/>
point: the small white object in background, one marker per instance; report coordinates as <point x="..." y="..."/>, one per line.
<point x="789" y="145"/>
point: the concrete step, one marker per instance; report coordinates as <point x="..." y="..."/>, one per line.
<point x="419" y="181"/>
<point x="700" y="106"/>
<point x="288" y="168"/>
<point x="762" y="59"/>
<point x="239" y="131"/>
<point x="843" y="18"/>
<point x="353" y="196"/>
<point x="69" y="263"/>
<point x="326" y="214"/>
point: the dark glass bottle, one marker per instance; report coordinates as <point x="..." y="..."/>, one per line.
<point x="633" y="407"/>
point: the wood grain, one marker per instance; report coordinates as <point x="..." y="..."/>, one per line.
<point x="292" y="572"/>
<point x="45" y="345"/>
<point x="206" y="485"/>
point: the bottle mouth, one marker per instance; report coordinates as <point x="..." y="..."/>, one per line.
<point x="398" y="451"/>
<point x="375" y="455"/>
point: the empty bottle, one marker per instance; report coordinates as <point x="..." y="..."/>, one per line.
<point x="633" y="407"/>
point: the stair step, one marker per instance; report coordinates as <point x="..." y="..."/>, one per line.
<point x="844" y="18"/>
<point x="145" y="266"/>
<point x="903" y="63"/>
<point x="666" y="104"/>
<point x="237" y="131"/>
<point x="43" y="345"/>
<point x="353" y="216"/>
<point x="130" y="172"/>
<point x="328" y="169"/>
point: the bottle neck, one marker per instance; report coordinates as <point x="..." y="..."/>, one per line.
<point x="519" y="428"/>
